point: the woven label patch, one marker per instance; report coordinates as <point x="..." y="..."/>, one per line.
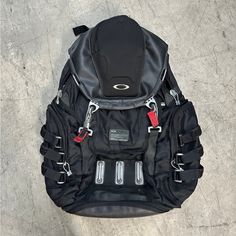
<point x="121" y="135"/>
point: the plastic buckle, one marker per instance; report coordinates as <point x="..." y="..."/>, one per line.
<point x="83" y="133"/>
<point x="90" y="132"/>
<point x="158" y="128"/>
<point x="58" y="145"/>
<point x="177" y="178"/>
<point x="63" y="179"/>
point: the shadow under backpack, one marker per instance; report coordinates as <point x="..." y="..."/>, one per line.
<point x="120" y="139"/>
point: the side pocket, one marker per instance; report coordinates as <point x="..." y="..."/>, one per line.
<point x="62" y="164"/>
<point x="186" y="152"/>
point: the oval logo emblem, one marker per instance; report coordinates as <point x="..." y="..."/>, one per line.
<point x="121" y="86"/>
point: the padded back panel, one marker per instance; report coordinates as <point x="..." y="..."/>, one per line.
<point x="115" y="211"/>
<point x="117" y="48"/>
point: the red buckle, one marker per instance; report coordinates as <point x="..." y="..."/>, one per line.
<point x="81" y="135"/>
<point x="153" y="118"/>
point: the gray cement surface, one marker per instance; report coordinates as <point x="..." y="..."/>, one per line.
<point x="35" y="36"/>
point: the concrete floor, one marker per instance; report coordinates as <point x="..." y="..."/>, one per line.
<point x="35" y="37"/>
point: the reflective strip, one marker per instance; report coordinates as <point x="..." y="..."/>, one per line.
<point x="139" y="180"/>
<point x="100" y="169"/>
<point x="119" y="175"/>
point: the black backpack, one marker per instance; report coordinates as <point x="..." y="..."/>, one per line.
<point x="120" y="139"/>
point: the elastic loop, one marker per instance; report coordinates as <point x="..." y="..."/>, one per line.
<point x="58" y="176"/>
<point x="51" y="138"/>
<point x="190" y="136"/>
<point x="181" y="175"/>
<point x="51" y="154"/>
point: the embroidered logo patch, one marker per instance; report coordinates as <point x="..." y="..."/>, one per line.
<point x="121" y="135"/>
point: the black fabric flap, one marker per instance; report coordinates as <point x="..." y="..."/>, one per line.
<point x="101" y="61"/>
<point x="117" y="48"/>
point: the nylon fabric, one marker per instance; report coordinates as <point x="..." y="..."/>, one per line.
<point x="118" y="129"/>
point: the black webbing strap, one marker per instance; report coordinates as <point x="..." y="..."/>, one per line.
<point x="88" y="156"/>
<point x="192" y="156"/>
<point x="57" y="176"/>
<point x="188" y="175"/>
<point x="150" y="153"/>
<point x="51" y="154"/>
<point x="50" y="137"/>
<point x="80" y="29"/>
<point x="190" y="136"/>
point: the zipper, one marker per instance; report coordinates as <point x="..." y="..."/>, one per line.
<point x="175" y="95"/>
<point x="173" y="129"/>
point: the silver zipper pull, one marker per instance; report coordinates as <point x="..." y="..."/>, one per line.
<point x="175" y="95"/>
<point x="66" y="167"/>
<point x="59" y="95"/>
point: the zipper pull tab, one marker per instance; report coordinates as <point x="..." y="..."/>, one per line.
<point x="153" y="118"/>
<point x="59" y="95"/>
<point x="153" y="114"/>
<point x="66" y="167"/>
<point x="175" y="95"/>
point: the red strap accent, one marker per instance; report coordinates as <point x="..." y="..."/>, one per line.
<point x="153" y="118"/>
<point x="81" y="135"/>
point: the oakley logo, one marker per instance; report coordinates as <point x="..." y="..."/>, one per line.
<point x="121" y="86"/>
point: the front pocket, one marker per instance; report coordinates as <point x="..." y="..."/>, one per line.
<point x="66" y="171"/>
<point x="120" y="131"/>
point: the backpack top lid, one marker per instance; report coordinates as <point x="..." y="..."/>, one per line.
<point x="118" y="63"/>
<point x="117" y="48"/>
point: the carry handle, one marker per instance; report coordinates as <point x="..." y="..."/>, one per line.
<point x="80" y="29"/>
